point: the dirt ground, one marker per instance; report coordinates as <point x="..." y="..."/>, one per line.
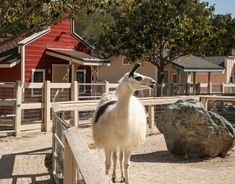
<point x="22" y="162"/>
<point x="152" y="164"/>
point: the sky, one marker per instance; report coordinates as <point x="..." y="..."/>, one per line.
<point x="223" y="6"/>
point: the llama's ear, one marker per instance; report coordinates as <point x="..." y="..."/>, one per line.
<point x="131" y="73"/>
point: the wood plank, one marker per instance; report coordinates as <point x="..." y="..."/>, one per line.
<point x="25" y="127"/>
<point x="7" y="102"/>
<point x="31" y="105"/>
<point x="47" y="105"/>
<point x="60" y="85"/>
<point x="35" y="85"/>
<point x="87" y="163"/>
<point x="69" y="165"/>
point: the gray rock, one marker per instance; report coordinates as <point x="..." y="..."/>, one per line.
<point x="194" y="132"/>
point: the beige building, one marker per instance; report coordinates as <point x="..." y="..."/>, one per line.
<point x="119" y="66"/>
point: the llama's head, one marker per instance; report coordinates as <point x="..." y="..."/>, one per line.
<point x="138" y="81"/>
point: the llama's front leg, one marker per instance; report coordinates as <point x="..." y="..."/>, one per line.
<point x="121" y="165"/>
<point x="126" y="165"/>
<point x="107" y="160"/>
<point x="114" y="165"/>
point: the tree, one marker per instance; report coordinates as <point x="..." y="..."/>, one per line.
<point x="27" y="16"/>
<point x="224" y="39"/>
<point x="158" y="31"/>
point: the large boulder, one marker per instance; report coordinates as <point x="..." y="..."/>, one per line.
<point x="192" y="131"/>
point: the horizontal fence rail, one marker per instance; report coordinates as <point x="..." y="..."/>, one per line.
<point x="27" y="106"/>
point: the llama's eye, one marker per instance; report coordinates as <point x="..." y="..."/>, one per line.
<point x="138" y="78"/>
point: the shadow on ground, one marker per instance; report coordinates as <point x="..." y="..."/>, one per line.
<point x="9" y="170"/>
<point x="161" y="157"/>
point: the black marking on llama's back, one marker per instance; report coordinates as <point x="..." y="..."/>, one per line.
<point x="102" y="108"/>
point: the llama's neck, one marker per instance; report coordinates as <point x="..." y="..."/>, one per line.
<point x="124" y="93"/>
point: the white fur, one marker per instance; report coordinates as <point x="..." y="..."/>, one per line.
<point x="123" y="125"/>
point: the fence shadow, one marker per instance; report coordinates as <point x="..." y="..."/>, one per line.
<point x="25" y="166"/>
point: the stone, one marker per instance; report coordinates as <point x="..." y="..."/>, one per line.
<point x="193" y="132"/>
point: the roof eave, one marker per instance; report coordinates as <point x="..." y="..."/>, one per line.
<point x="10" y="65"/>
<point x="203" y="69"/>
<point x="33" y="37"/>
<point x="81" y="61"/>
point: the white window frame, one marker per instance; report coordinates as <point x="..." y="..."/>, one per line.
<point x="32" y="79"/>
<point x="84" y="73"/>
<point x="125" y="62"/>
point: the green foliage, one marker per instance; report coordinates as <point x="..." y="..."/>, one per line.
<point x="89" y="26"/>
<point x="158" y="31"/>
<point x="27" y="16"/>
<point x="224" y="38"/>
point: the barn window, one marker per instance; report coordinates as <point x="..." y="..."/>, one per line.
<point x="174" y="78"/>
<point x="38" y="75"/>
<point x="81" y="78"/>
<point x="125" y="61"/>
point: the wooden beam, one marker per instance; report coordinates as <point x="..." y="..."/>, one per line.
<point x="74" y="97"/>
<point x="18" y="109"/>
<point x="69" y="165"/>
<point x="47" y="106"/>
<point x="87" y="163"/>
<point x="151" y="115"/>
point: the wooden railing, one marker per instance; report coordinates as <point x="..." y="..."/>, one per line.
<point x="22" y="102"/>
<point x="73" y="162"/>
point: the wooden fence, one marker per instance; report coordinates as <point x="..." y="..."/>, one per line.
<point x="69" y="147"/>
<point x="27" y="106"/>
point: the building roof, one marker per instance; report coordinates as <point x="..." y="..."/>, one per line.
<point x="196" y="64"/>
<point x="9" y="55"/>
<point x="218" y="60"/>
<point x="77" y="57"/>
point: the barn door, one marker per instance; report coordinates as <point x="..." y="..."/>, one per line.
<point x="60" y="73"/>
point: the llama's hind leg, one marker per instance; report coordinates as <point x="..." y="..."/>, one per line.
<point x="126" y="165"/>
<point x="107" y="160"/>
<point x="121" y="154"/>
<point x="114" y="153"/>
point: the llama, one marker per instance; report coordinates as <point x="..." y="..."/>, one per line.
<point x="119" y="122"/>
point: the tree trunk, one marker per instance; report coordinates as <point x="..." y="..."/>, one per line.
<point x="160" y="77"/>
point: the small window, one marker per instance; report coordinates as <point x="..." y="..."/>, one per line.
<point x="166" y="76"/>
<point x="37" y="76"/>
<point x="125" y="61"/>
<point x="231" y="79"/>
<point x="81" y="78"/>
<point x="174" y="78"/>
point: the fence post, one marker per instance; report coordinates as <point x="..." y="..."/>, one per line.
<point x="187" y="88"/>
<point x="18" y="109"/>
<point x="106" y="86"/>
<point x="47" y="106"/>
<point x="74" y="97"/>
<point x="198" y="89"/>
<point x="209" y="87"/>
<point x="151" y="116"/>
<point x="69" y="165"/>
<point x="222" y="88"/>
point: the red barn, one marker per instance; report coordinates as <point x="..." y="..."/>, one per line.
<point x="57" y="54"/>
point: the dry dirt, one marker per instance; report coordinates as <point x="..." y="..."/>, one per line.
<point x="152" y="164"/>
<point x="22" y="162"/>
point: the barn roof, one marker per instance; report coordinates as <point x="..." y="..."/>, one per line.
<point x="196" y="64"/>
<point x="9" y="55"/>
<point x="77" y="57"/>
